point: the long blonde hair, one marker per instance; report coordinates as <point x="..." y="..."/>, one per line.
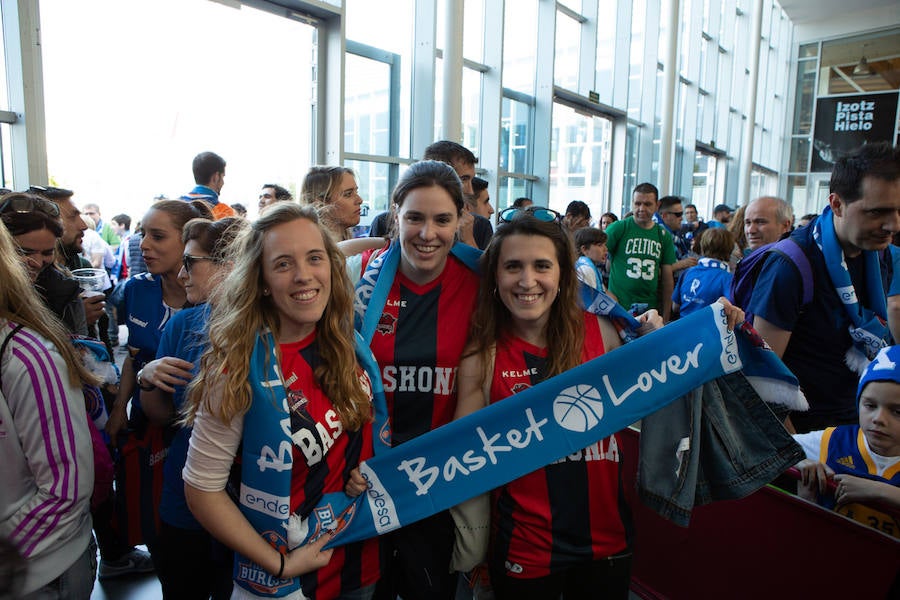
<point x="243" y="313"/>
<point x="20" y="303"/>
<point x="316" y="190"/>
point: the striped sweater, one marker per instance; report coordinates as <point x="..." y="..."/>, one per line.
<point x="46" y="458"/>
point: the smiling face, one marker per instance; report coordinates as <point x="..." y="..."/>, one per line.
<point x="761" y="224"/>
<point x="345" y="202"/>
<point x="203" y="276"/>
<point x="879" y="417"/>
<point x="36" y="249"/>
<point x="869" y="222"/>
<point x="161" y="245"/>
<point x="528" y="282"/>
<point x="427" y="221"/>
<point x="297" y="275"/>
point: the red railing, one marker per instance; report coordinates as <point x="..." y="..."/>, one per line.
<point x="768" y="545"/>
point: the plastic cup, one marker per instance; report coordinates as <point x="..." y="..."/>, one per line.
<point x="91" y="280"/>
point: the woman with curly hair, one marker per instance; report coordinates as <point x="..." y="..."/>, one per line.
<point x="300" y="409"/>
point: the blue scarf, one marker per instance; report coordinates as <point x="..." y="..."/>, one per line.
<point x="587" y="262"/>
<point x="268" y="461"/>
<point x="487" y="449"/>
<point x="867" y="326"/>
<point x="376" y="282"/>
<point x="528" y="430"/>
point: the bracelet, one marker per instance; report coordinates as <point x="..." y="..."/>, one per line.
<point x="281" y="570"/>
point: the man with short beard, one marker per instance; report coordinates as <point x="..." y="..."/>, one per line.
<point x="642" y="256"/>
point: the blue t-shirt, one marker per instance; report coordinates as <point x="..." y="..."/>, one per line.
<point x="141" y="301"/>
<point x="894" y="288"/>
<point x="701" y="285"/>
<point x="184" y="337"/>
<point x="819" y="331"/>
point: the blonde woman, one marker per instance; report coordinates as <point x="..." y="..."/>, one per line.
<point x="47" y="471"/>
<point x="299" y="408"/>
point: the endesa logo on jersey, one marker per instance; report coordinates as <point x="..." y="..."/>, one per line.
<point x="278" y="507"/>
<point x="384" y="513"/>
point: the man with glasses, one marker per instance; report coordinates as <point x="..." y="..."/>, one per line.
<point x="670" y="213"/>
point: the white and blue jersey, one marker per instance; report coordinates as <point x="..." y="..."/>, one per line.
<point x="701" y="285"/>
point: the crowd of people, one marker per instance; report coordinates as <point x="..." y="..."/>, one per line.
<point x="248" y="353"/>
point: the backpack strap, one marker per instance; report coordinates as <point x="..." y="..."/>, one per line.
<point x="6" y="341"/>
<point x="789" y="248"/>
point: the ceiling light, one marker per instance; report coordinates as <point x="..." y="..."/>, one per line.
<point x="862" y="68"/>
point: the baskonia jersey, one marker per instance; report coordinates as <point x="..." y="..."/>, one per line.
<point x="844" y="449"/>
<point x="571" y="511"/>
<point x="418" y="343"/>
<point x="324" y="453"/>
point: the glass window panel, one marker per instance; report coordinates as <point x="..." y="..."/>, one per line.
<point x="511" y="188"/>
<point x="367" y="105"/>
<point x="473" y="32"/>
<point x="471" y="110"/>
<point x="364" y="20"/>
<point x="147" y="97"/>
<point x="580" y="159"/>
<point x="809" y="50"/>
<point x="703" y="186"/>
<point x="636" y="59"/>
<point x="374" y="184"/>
<point x="606" y="50"/>
<point x="520" y="45"/>
<point x="6" y="172"/>
<point x="515" y="135"/>
<point x="568" y="46"/>
<point x="799" y="155"/>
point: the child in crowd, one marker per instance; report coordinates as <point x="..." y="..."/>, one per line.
<point x="863" y="460"/>
<point x="702" y="285"/>
<point x="591" y="245"/>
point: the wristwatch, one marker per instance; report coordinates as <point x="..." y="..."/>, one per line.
<point x="140" y="382"/>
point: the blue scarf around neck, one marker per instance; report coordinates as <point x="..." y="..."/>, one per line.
<point x="867" y="325"/>
<point x="265" y="495"/>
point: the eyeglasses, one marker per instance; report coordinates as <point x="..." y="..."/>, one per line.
<point x="677" y="214"/>
<point x="24" y="205"/>
<point x="188" y="261"/>
<point x="547" y="215"/>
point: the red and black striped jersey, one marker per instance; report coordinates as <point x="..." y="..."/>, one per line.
<point x="418" y="343"/>
<point x="571" y="511"/>
<point x="324" y="453"/>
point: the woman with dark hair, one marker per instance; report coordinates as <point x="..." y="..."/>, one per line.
<point x="414" y="302"/>
<point x="148" y="301"/>
<point x="531" y="326"/>
<point x="279" y="383"/>
<point x="606" y="219"/>
<point x="47" y="471"/>
<point x="35" y="225"/>
<point x="190" y="564"/>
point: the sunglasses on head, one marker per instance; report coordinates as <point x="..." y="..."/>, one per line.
<point x="547" y="215"/>
<point x="24" y="205"/>
<point x="188" y="260"/>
